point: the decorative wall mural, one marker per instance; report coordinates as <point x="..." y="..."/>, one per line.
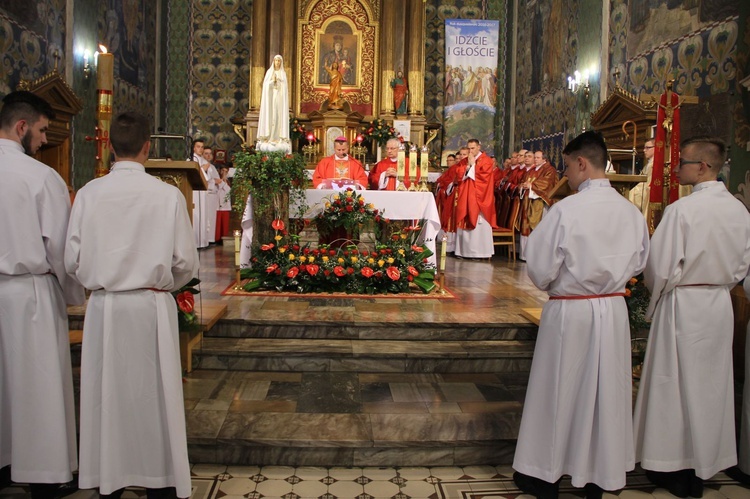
<point x="220" y="70"/>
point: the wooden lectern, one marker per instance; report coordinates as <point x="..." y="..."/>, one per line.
<point x="185" y="175"/>
<point x="623" y="183"/>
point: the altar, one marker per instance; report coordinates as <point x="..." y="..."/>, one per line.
<point x="395" y="205"/>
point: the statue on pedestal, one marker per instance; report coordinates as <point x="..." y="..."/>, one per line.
<point x="273" y="123"/>
<point x="334" y="92"/>
<point x="400" y="93"/>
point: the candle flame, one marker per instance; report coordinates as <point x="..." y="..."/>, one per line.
<point x="102" y="49"/>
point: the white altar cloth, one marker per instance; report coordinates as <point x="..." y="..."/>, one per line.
<point x="396" y="205"/>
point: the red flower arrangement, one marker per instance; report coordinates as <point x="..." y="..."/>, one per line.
<point x="380" y="131"/>
<point x="187" y="320"/>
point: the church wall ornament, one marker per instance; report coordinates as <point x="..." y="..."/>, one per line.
<point x="330" y="27"/>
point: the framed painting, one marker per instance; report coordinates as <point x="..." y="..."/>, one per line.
<point x="338" y="47"/>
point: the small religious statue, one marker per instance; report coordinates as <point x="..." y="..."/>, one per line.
<point x="273" y="123"/>
<point x="400" y="93"/>
<point x="334" y="92"/>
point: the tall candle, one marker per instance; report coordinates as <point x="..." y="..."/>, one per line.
<point x="443" y="250"/>
<point x="412" y="167"/>
<point x="237" y="234"/>
<point x="401" y="166"/>
<point x="105" y="64"/>
<point x="424" y="165"/>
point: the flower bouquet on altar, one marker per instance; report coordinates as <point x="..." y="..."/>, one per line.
<point x="185" y="299"/>
<point x="285" y="265"/>
<point x="379" y="131"/>
<point x="344" y="214"/>
<point x="297" y="130"/>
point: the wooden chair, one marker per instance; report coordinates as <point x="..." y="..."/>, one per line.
<point x="505" y="237"/>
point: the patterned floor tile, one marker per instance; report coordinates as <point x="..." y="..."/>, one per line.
<point x="347" y="489"/>
<point x="277" y="472"/>
<point x="237" y="486"/>
<point x="381" y="489"/>
<point x="310" y="488"/>
<point x="276" y="488"/>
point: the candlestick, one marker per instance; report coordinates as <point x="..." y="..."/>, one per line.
<point x="443" y="251"/>
<point x="412" y="168"/>
<point x="424" y="168"/>
<point x="401" y="166"/>
<point x="104" y="79"/>
<point x="237" y="234"/>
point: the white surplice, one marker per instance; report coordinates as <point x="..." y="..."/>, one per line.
<point x="246" y="244"/>
<point x="37" y="417"/>
<point x="577" y="412"/>
<point x="744" y="456"/>
<point x="212" y="200"/>
<point x="129" y="236"/>
<point x="202" y="224"/>
<point x="684" y="414"/>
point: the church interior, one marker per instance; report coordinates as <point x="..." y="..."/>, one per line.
<point x="377" y="396"/>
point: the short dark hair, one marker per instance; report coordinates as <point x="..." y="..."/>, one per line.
<point x="473" y="141"/>
<point x="451" y="156"/>
<point x="713" y="150"/>
<point x="591" y="146"/>
<point x="127" y="134"/>
<point x="23" y="105"/>
<point x="195" y="141"/>
<point x="207" y="147"/>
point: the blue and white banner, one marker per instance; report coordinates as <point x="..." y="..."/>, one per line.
<point x="471" y="52"/>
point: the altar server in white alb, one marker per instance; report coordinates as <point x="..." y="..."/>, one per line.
<point x="577" y="413"/>
<point x="130" y="243"/>
<point x="37" y="417"/>
<point x="741" y="472"/>
<point x="684" y="415"/>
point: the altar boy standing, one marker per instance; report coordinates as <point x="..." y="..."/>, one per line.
<point x="577" y="414"/>
<point x="130" y="242"/>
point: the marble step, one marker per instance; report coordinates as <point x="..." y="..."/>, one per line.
<point x="379" y="356"/>
<point x="228" y="328"/>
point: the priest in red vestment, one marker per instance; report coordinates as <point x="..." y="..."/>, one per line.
<point x="339" y="166"/>
<point x="445" y="198"/>
<point x="475" y="209"/>
<point x="384" y="175"/>
<point x="537" y="186"/>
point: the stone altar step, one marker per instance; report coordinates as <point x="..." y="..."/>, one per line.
<point x="352" y="419"/>
<point x="235" y="328"/>
<point x="379" y="356"/>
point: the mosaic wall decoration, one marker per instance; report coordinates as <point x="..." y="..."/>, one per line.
<point x="176" y="117"/>
<point x="547" y="50"/>
<point x="220" y="62"/>
<point x="437" y="11"/>
<point x="31" y="34"/>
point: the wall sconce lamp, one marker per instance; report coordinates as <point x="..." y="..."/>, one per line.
<point x="86" y="65"/>
<point x="579" y="81"/>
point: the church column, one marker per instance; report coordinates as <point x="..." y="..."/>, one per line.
<point x="257" y="68"/>
<point x="416" y="63"/>
<point x="288" y="49"/>
<point x="387" y="35"/>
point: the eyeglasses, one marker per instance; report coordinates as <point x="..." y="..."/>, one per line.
<point x="684" y="162"/>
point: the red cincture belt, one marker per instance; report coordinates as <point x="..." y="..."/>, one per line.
<point x="585" y="297"/>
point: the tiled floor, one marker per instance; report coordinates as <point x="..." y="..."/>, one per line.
<point x="471" y="482"/>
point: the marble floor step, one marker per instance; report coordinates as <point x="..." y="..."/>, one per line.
<point x="295" y="355"/>
<point x="229" y="328"/>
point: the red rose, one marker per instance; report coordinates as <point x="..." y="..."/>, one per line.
<point x="266" y="247"/>
<point x="302" y="267"/>
<point x="331" y="252"/>
<point x="312" y="269"/>
<point x="377" y="218"/>
<point x="186" y="301"/>
<point x="277" y="271"/>
<point x="424" y="260"/>
<point x="374" y="254"/>
<point x="316" y="252"/>
<point x="295" y="247"/>
<point x="412" y="270"/>
<point x="291" y="273"/>
<point x="393" y="273"/>
<point x="378" y="274"/>
<point x="350" y="271"/>
<point x="326" y="272"/>
<point x="361" y="201"/>
<point x="355" y="252"/>
<point x="361" y="210"/>
<point x="395" y="237"/>
<point x="409" y="278"/>
<point x="349" y="208"/>
<point x="346" y="253"/>
<point x="306" y="251"/>
<point x="271" y="268"/>
<point x="278" y="224"/>
<point x="339" y="271"/>
<point x="367" y="271"/>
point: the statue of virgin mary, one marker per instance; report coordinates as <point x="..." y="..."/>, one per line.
<point x="273" y="124"/>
